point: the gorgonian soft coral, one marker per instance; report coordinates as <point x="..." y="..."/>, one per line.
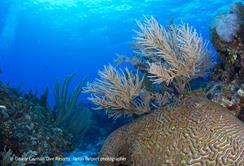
<point x="170" y="56"/>
<point x="117" y="91"/>
<point x="174" y="54"/>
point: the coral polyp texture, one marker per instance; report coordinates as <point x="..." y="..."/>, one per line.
<point x="194" y="131"/>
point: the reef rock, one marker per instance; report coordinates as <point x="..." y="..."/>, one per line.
<point x="25" y="129"/>
<point x="227" y="35"/>
<point x="229" y="95"/>
<point x="194" y="131"/>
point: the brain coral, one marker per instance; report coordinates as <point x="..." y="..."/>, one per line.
<point x="194" y="131"/>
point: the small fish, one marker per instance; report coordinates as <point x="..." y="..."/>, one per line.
<point x="3" y="107"/>
<point x="134" y="60"/>
<point x="120" y="59"/>
<point x="137" y="101"/>
<point x="142" y="99"/>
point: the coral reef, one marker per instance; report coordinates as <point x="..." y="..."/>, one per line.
<point x="169" y="124"/>
<point x="24" y="127"/>
<point x="190" y="131"/>
<point x="28" y="126"/>
<point x="194" y="131"/>
<point x="229" y="95"/>
<point x="8" y="158"/>
<point x="227" y="34"/>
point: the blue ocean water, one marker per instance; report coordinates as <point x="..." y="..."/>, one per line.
<point x="45" y="40"/>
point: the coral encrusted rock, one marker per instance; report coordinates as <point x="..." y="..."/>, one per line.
<point x="194" y="131"/>
<point x="25" y="129"/>
<point x="227" y="35"/>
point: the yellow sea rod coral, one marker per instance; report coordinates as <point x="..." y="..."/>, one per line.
<point x="119" y="92"/>
<point x="195" y="131"/>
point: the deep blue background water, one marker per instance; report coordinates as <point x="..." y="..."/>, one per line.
<point x="44" y="40"/>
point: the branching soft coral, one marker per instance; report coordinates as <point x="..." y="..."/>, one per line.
<point x="169" y="57"/>
<point x="172" y="53"/>
<point x="121" y="92"/>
